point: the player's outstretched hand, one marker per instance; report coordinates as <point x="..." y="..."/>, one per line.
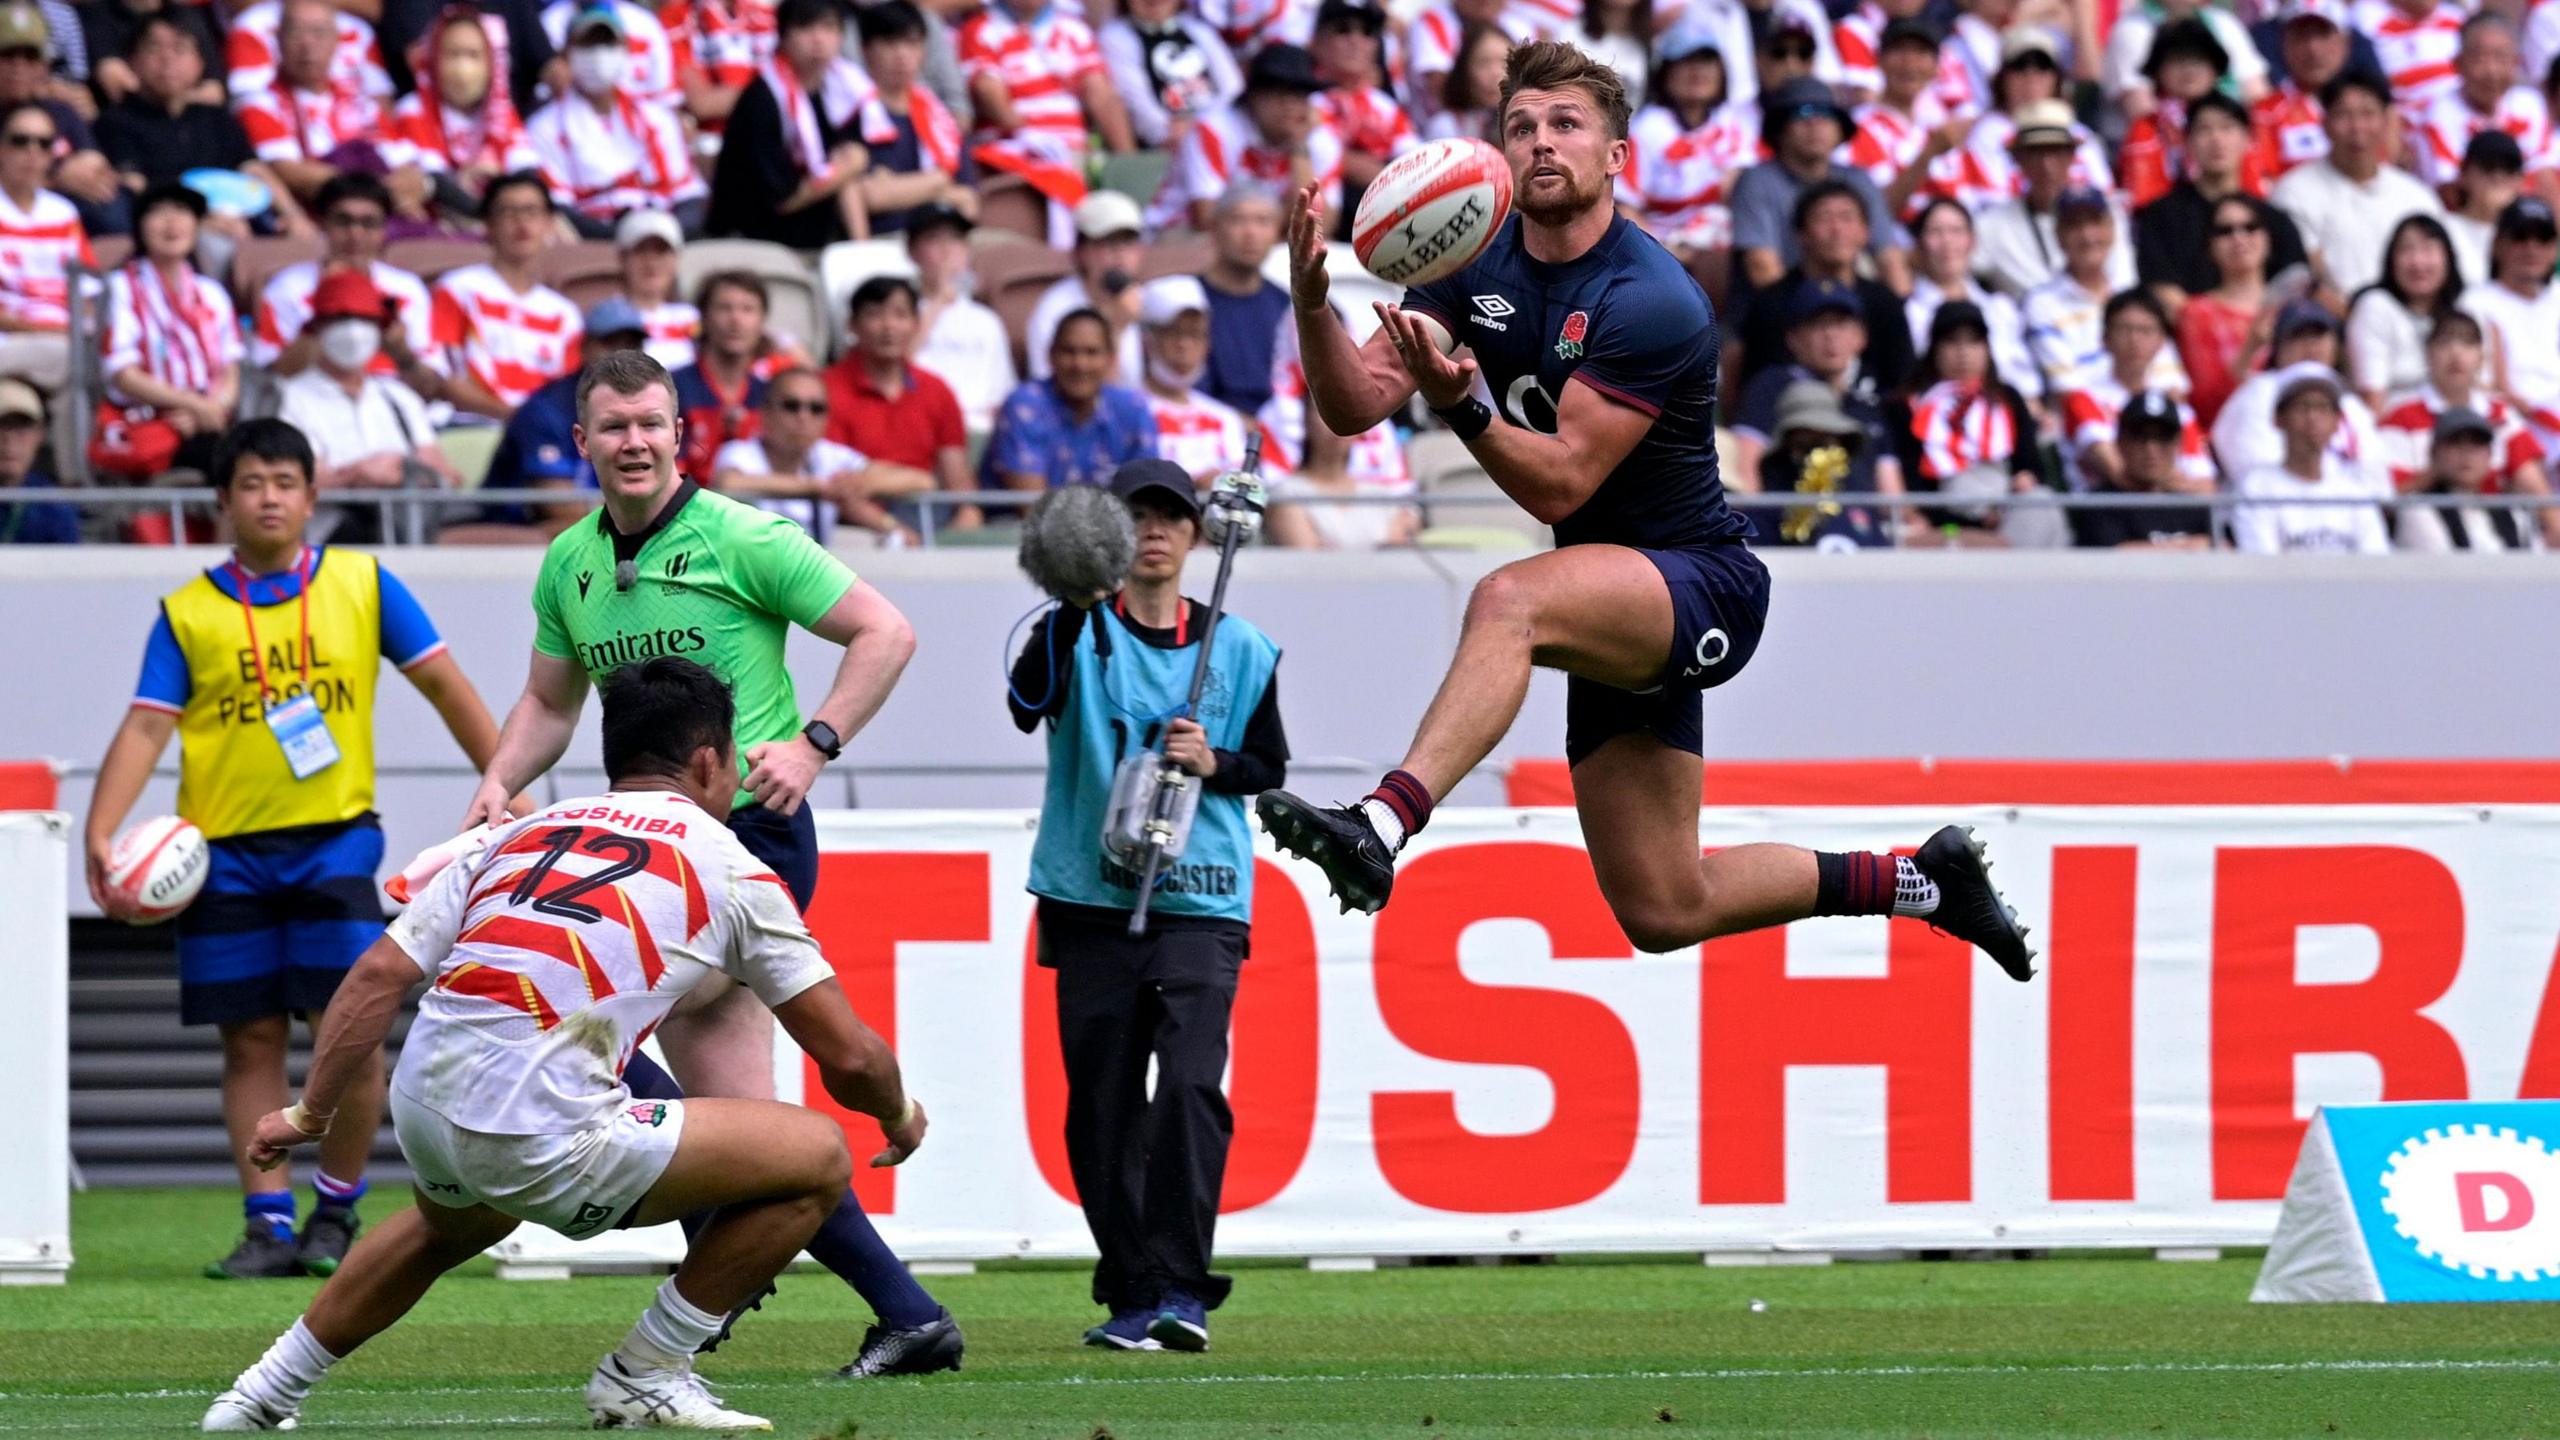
<point x="780" y="772"/>
<point x="490" y="805"/>
<point x="1308" y="283"/>
<point x="275" y="1137"/>
<point x="903" y="1139"/>
<point x="1441" y="379"/>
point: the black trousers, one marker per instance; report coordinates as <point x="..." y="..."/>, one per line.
<point x="1148" y="1167"/>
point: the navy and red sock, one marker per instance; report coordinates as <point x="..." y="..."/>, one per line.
<point x="1867" y="883"/>
<point x="1398" y="808"/>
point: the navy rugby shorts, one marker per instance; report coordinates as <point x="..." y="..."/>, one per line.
<point x="1719" y="602"/>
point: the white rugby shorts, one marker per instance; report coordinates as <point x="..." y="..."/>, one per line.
<point x="578" y="1182"/>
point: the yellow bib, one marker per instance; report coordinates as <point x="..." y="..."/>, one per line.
<point x="232" y="774"/>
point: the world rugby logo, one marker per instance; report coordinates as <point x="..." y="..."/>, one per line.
<point x="2480" y="1201"/>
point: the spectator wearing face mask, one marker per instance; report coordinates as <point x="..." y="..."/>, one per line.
<point x="368" y="431"/>
<point x="1192" y="430"/>
<point x="605" y="151"/>
<point x="652" y="75"/>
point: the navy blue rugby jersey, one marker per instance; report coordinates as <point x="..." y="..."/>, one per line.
<point x="1625" y="319"/>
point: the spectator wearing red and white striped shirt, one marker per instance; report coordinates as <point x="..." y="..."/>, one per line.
<point x="652" y="75"/>
<point x="1967" y="429"/>
<point x="1984" y="170"/>
<point x="1350" y="57"/>
<point x="2484" y="97"/>
<point x="1272" y="137"/>
<point x="646" y="243"/>
<point x="1037" y="79"/>
<point x="717" y="45"/>
<point x="1192" y="430"/>
<point x="255" y="51"/>
<point x="2416" y="41"/>
<point x="353" y="210"/>
<point x="41" y="239"/>
<point x="503" y="332"/>
<point x="2314" y="40"/>
<point x="1858" y="38"/>
<point x="917" y="155"/>
<point x="459" y="129"/>
<point x="2456" y="358"/>
<point x="603" y="149"/>
<point x="2136" y="336"/>
<point x="1436" y="35"/>
<point x="300" y="121"/>
<point x="172" y="361"/>
<point x="1896" y="136"/>
<point x="1685" y="149"/>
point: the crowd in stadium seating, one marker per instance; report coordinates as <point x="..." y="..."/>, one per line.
<point x="2280" y="249"/>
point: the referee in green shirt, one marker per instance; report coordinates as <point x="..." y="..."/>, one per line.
<point x="667" y="568"/>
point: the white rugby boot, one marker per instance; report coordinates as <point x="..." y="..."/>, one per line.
<point x="232" y="1411"/>
<point x="659" y="1400"/>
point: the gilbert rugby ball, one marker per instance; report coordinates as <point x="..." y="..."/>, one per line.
<point x="1432" y="211"/>
<point x="161" y="864"/>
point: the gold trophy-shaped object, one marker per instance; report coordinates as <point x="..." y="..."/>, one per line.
<point x="1824" y="468"/>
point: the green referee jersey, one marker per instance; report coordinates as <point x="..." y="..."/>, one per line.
<point x="717" y="582"/>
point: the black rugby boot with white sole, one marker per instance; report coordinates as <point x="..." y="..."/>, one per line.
<point x="1969" y="906"/>
<point x="1336" y="840"/>
<point x="917" y="1350"/>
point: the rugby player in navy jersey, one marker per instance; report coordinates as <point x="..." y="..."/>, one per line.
<point x="1600" y="354"/>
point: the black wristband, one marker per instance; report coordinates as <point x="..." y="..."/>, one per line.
<point x="1468" y="418"/>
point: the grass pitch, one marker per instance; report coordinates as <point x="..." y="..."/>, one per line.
<point x="137" y="1344"/>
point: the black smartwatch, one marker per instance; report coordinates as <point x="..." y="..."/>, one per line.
<point x="823" y="735"/>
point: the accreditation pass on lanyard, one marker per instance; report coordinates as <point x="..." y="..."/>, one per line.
<point x="296" y="723"/>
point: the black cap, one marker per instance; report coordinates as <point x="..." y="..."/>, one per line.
<point x="2527" y="217"/>
<point x="2494" y="150"/>
<point x="1282" y="67"/>
<point x="2153" y="414"/>
<point x="1817" y="298"/>
<point x="1909" y="31"/>
<point x="169" y="192"/>
<point x="1151" y="474"/>
<point x="2303" y="315"/>
<point x="1361" y="13"/>
<point x="2190" y="37"/>
<point x="1958" y="315"/>
<point x="937" y="217"/>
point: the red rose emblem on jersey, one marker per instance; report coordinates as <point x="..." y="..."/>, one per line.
<point x="1576" y="325"/>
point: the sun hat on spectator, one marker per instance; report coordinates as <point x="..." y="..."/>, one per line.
<point x="638" y="225"/>
<point x="1105" y="214"/>
<point x="2045" y="122"/>
<point x="1799" y="99"/>
<point x="19" y="401"/>
<point x="1812" y="405"/>
<point x="1688" y="36"/>
<point x="349" y="294"/>
<point x="2020" y="41"/>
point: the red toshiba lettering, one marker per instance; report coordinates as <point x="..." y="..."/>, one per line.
<point x="2089" y="1034"/>
<point x="867" y="905"/>
<point x="2542" y="1053"/>
<point x="1271" y="1063"/>
<point x="1424" y="1152"/>
<point x="2263" y="1018"/>
<point x="1756" y="1022"/>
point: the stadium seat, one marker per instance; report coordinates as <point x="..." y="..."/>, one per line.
<point x="1182" y="253"/>
<point x="1007" y="202"/>
<point x="799" y="311"/>
<point x="260" y="257"/>
<point x="1137" y="174"/>
<point x="1493" y="513"/>
<point x="844" y="266"/>
<point x="586" y="272"/>
<point x="429" y="258"/>
<point x="470" y="448"/>
<point x="1438" y="457"/>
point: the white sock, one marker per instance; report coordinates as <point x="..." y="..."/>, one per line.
<point x="1384" y="821"/>
<point x="286" y="1373"/>
<point x="1913" y="893"/>
<point x="670" y="1330"/>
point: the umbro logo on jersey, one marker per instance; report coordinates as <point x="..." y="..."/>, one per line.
<point x="585" y="579"/>
<point x="682" y="562"/>
<point x="1489" y="311"/>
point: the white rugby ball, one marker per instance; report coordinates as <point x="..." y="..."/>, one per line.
<point x="1432" y="211"/>
<point x="160" y="864"/>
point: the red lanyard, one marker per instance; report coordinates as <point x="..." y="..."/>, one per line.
<point x="1181" y="619"/>
<point x="258" y="657"/>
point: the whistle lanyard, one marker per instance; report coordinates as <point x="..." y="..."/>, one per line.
<point x="257" y="655"/>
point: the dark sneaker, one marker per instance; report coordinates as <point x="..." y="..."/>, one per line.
<point x="1181" y="1323"/>
<point x="1337" y="841"/>
<point x="325" y="1238"/>
<point x="918" y="1350"/>
<point x="729" y="1322"/>
<point x="1125" y="1330"/>
<point x="1969" y="908"/>
<point x="262" y="1254"/>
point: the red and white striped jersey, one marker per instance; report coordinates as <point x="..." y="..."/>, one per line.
<point x="654" y="76"/>
<point x="557" y="949"/>
<point x="252" y="52"/>
<point x="2446" y="130"/>
<point x="1434" y="37"/>
<point x="2289" y="128"/>
<point x="1856" y="37"/>
<point x="284" y="308"/>
<point x="1043" y="64"/>
<point x="2407" y="427"/>
<point x="631" y="155"/>
<point x="673" y="326"/>
<point x="1549" y="18"/>
<point x="1248" y="25"/>
<point x="1369" y="121"/>
<point x="38" y="247"/>
<point x="1982" y="173"/>
<point x="723" y="40"/>
<point x="1224" y="147"/>
<point x="2089" y="416"/>
<point x="509" y="341"/>
<point x="1197" y="433"/>
<point x="1376" y="458"/>
<point x="1884" y="141"/>
<point x="442" y="140"/>
<point x="1961" y="426"/>
<point x="289" y="124"/>
<point x="2416" y="51"/>
<point x="183" y="334"/>
<point x="1676" y="178"/>
<point x="1966" y="64"/>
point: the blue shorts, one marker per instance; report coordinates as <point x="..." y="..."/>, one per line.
<point x="282" y="916"/>
<point x="1719" y="602"/>
<point x="788" y="843"/>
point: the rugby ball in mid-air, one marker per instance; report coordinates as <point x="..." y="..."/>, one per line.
<point x="1432" y="211"/>
<point x="160" y="865"/>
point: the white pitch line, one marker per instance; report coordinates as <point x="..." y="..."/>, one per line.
<point x="1464" y="1377"/>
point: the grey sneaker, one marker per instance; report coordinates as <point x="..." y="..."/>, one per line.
<point x="325" y="1238"/>
<point x="261" y="1254"/>
<point x="919" y="1350"/>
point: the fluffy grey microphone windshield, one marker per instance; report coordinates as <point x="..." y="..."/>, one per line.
<point x="1078" y="542"/>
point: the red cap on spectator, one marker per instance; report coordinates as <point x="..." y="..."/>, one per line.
<point x="342" y="294"/>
